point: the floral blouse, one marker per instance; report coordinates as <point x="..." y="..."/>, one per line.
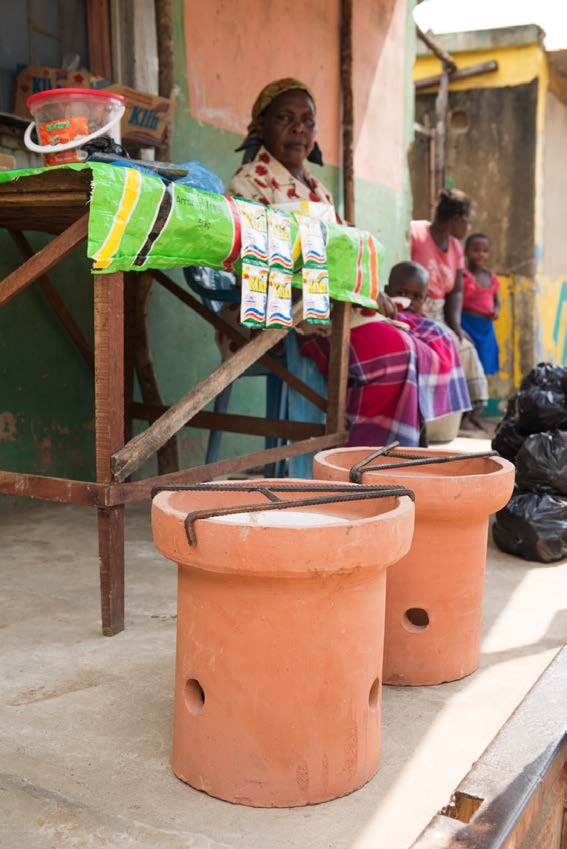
<point x="268" y="181"/>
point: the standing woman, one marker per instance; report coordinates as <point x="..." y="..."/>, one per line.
<point x="437" y="246"/>
<point x="384" y="361"/>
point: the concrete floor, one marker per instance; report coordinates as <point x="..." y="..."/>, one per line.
<point x="85" y="721"/>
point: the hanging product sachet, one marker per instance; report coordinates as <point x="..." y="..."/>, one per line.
<point x="278" y="312"/>
<point x="316" y="302"/>
<point x="254" y="254"/>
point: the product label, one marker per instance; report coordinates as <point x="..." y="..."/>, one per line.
<point x="254" y="230"/>
<point x="254" y="295"/>
<point x="316" y="303"/>
<point x="61" y="132"/>
<point x="278" y="312"/>
<point x="279" y="240"/>
<point x="312" y="241"/>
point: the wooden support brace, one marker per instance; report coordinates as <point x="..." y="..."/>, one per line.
<point x="109" y="496"/>
<point x="460" y="74"/>
<point x="233" y="423"/>
<point x="423" y="130"/>
<point x="131" y="457"/>
<point x="53" y="489"/>
<point x="43" y="260"/>
<point x="139" y="490"/>
<point x="435" y="48"/>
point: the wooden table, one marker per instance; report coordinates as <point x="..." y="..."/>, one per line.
<point x="57" y="202"/>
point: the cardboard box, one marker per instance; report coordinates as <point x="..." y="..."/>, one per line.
<point x="145" y="121"/>
<point x="147" y="116"/>
<point x="36" y="78"/>
<point x="7" y="162"/>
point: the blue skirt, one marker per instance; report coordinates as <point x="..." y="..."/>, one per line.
<point x="481" y="331"/>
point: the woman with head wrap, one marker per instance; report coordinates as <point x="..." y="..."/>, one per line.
<point x="281" y="136"/>
<point x="384" y="361"/>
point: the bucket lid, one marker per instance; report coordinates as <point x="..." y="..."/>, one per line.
<point x="88" y="92"/>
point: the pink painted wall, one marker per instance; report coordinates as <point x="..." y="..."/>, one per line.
<point x="379" y="45"/>
<point x="234" y="49"/>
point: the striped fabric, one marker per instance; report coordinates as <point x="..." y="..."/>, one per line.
<point x="397" y="379"/>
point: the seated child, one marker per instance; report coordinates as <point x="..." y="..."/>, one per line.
<point x="410" y="280"/>
<point x="480" y="301"/>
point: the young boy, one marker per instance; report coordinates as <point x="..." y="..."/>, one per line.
<point x="409" y="280"/>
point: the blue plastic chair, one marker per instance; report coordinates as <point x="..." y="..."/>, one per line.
<point x="216" y="288"/>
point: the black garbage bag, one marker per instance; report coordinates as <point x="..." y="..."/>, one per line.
<point x="508" y="439"/>
<point x="541" y="409"/>
<point x="105" y="144"/>
<point x="541" y="463"/>
<point x="533" y="526"/>
<point x="511" y="407"/>
<point x="546" y="376"/>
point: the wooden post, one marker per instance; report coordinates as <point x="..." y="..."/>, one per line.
<point x="441" y="110"/>
<point x="338" y="369"/>
<point x="164" y="29"/>
<point x="109" y="418"/>
<point x="166" y="72"/>
<point x="130" y="285"/>
<point x="340" y="334"/>
<point x="347" y="109"/>
<point x="431" y="165"/>
<point x="98" y="33"/>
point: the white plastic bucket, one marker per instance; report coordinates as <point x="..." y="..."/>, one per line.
<point x="67" y="118"/>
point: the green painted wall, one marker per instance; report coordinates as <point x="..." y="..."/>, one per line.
<point x="46" y="391"/>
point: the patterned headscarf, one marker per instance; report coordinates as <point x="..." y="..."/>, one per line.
<point x="253" y="141"/>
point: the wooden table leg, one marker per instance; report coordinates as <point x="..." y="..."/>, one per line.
<point x="130" y="282"/>
<point x="338" y="368"/>
<point x="109" y="415"/>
